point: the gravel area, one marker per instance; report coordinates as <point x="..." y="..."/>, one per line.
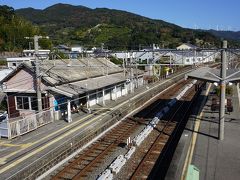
<point x="112" y="156"/>
<point x="132" y="163"/>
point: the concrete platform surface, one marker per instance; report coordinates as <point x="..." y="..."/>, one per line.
<point x="199" y="144"/>
<point x="218" y="160"/>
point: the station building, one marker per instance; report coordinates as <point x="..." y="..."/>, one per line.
<point x="67" y="84"/>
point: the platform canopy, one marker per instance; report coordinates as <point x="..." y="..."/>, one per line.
<point x="213" y="75"/>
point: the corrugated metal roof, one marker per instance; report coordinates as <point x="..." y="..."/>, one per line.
<point x="72" y="77"/>
<point x="90" y="84"/>
<point x="64" y="71"/>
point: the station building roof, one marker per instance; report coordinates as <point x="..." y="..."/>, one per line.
<point x="72" y="77"/>
<point x="80" y="87"/>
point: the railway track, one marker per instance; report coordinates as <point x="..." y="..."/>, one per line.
<point x="91" y="158"/>
<point x="166" y="130"/>
<point x="144" y="168"/>
<point x="164" y="98"/>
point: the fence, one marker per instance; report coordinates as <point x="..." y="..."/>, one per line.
<point x="22" y="126"/>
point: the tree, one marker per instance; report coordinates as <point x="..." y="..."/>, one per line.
<point x="7" y="12"/>
<point x="13" y="29"/>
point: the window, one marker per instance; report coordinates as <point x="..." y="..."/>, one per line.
<point x="22" y="102"/>
<point x="34" y="104"/>
<point x="92" y="96"/>
<point x="108" y="90"/>
<point x="26" y="102"/>
<point x="45" y="103"/>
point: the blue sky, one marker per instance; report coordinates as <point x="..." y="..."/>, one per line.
<point x="204" y="14"/>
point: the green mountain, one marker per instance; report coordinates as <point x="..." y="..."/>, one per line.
<point x="117" y="29"/>
<point x="230" y="35"/>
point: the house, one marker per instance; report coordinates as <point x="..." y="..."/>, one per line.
<point x="66" y="85"/>
<point x="193" y="57"/>
<point x="77" y="49"/>
<point x="186" y="46"/>
<point x="147" y="54"/>
<point x="63" y="48"/>
<point x="42" y="53"/>
<point x="27" y="56"/>
<point x="140" y="56"/>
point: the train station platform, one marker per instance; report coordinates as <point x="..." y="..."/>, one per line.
<point x="215" y="159"/>
<point x="199" y="145"/>
<point x="22" y="152"/>
<point x="26" y="154"/>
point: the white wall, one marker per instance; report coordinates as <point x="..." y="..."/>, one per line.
<point x="112" y="94"/>
<point x="77" y="49"/>
<point x="92" y="100"/>
<point x="107" y="96"/>
<point x="119" y="91"/>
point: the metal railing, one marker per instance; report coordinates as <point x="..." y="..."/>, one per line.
<point x="22" y="126"/>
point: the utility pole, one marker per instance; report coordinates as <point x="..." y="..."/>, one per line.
<point x="39" y="94"/>
<point x="222" y="90"/>
<point x="37" y="63"/>
<point x="131" y="72"/>
<point x="124" y="67"/>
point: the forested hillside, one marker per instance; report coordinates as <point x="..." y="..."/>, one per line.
<point x="116" y="29"/>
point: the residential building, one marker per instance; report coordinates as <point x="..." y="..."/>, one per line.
<point x="63" y="48"/>
<point x="191" y="57"/>
<point x="77" y="49"/>
<point x="186" y="46"/>
<point x="27" y="56"/>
